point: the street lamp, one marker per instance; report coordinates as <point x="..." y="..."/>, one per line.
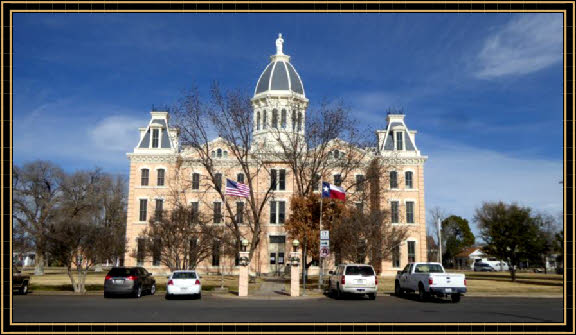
<point x="244" y="244"/>
<point x="295" y="244"/>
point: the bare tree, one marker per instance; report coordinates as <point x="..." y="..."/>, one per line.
<point x="35" y="197"/>
<point x="229" y="115"/>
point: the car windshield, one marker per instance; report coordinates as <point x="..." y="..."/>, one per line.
<point x="360" y="270"/>
<point x="121" y="272"/>
<point x="184" y="275"/>
<point x="429" y="268"/>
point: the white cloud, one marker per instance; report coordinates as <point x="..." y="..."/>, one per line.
<point x="459" y="178"/>
<point x="78" y="139"/>
<point x="528" y="43"/>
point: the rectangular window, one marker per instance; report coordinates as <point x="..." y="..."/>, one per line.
<point x="216" y="254"/>
<point x="408" y="177"/>
<point x="159" y="208"/>
<point x="359" y="183"/>
<point x="273" y="212"/>
<point x="141" y="251"/>
<point x="282" y="183"/>
<point x="217" y="217"/>
<point x="155" y="137"/>
<point x="396" y="257"/>
<point x="144" y="177"/>
<point x="194" y="211"/>
<point x="393" y="179"/>
<point x="143" y="209"/>
<point x="316" y="182"/>
<point x="399" y="138"/>
<point x="218" y="181"/>
<point x="195" y="181"/>
<point x="281" y="212"/>
<point x="411" y="251"/>
<point x="277" y="212"/>
<point x="240" y="212"/>
<point x="156" y="254"/>
<point x="273" y="179"/>
<point x="240" y="178"/>
<point x="337" y="179"/>
<point x="272" y="258"/>
<point x="160" y="181"/>
<point x="193" y="252"/>
<point x="280" y="258"/>
<point x="409" y="212"/>
<point x="394" y="211"/>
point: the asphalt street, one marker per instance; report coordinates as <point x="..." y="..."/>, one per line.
<point x="323" y="309"/>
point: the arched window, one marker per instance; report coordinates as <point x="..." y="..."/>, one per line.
<point x="293" y="120"/>
<point x="393" y="179"/>
<point x="264" y="121"/>
<point x="213" y="153"/>
<point x="299" y="121"/>
<point x="219" y="153"/>
<point x="408" y="178"/>
<point x="336" y="153"/>
<point x="283" y="119"/>
<point x="274" y="118"/>
<point x="258" y="121"/>
<point x="225" y="154"/>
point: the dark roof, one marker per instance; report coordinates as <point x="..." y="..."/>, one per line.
<point x="279" y="75"/>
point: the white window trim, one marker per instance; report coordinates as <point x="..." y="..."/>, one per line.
<point x="413" y="179"/>
<point x="278" y="181"/>
<point x="390" y="206"/>
<point x="165" y="174"/>
<point x="147" y="209"/>
<point x="415" y="210"/>
<point x="278" y="212"/>
<point x="397" y="188"/>
<point x="199" y="180"/>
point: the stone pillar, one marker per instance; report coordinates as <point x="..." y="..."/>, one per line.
<point x="243" y="275"/>
<point x="295" y="274"/>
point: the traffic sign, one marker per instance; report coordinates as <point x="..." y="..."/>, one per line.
<point x="324" y="252"/>
<point x="324" y="243"/>
<point x="324" y="234"/>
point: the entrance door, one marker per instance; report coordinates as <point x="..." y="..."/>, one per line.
<point x="277" y="255"/>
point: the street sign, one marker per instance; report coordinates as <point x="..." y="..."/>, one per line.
<point x="324" y="234"/>
<point x="324" y="243"/>
<point x="324" y="252"/>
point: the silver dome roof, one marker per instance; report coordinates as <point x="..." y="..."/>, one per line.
<point x="279" y="76"/>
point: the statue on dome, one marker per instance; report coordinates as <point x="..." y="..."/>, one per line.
<point x="279" y="42"/>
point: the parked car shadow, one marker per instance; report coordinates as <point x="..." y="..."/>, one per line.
<point x="181" y="297"/>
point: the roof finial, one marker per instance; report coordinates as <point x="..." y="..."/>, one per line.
<point x="279" y="42"/>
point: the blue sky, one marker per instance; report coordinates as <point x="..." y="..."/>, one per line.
<point x="483" y="90"/>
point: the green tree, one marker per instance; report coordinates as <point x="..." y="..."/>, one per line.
<point x="456" y="236"/>
<point x="510" y="232"/>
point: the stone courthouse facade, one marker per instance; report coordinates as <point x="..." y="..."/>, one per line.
<point x="279" y="105"/>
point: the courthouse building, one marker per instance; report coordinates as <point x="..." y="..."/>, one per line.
<point x="279" y="105"/>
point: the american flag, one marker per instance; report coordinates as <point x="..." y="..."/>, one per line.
<point x="237" y="189"/>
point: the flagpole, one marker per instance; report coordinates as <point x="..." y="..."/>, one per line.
<point x="321" y="258"/>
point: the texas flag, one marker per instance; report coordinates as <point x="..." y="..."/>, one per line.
<point x="333" y="191"/>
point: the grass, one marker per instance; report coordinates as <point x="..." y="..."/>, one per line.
<point x="499" y="283"/>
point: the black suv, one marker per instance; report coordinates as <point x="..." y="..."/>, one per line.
<point x="129" y="281"/>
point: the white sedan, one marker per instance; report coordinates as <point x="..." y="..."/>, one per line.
<point x="184" y="282"/>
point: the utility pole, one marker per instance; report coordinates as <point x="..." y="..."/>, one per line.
<point x="439" y="228"/>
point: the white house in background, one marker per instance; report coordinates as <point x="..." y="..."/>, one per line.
<point x="467" y="258"/>
<point x="23" y="259"/>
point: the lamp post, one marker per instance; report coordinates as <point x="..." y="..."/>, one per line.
<point x="243" y="271"/>
<point x="244" y="244"/>
<point x="295" y="244"/>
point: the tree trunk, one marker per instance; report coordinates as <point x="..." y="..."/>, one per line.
<point x="39" y="263"/>
<point x="513" y="272"/>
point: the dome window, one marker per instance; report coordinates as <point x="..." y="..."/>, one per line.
<point x="219" y="153"/>
<point x="155" y="138"/>
<point x="213" y="153"/>
<point x="258" y="121"/>
<point x="299" y="121"/>
<point x="264" y="121"/>
<point x="274" y="118"/>
<point x="293" y="120"/>
<point x="283" y="119"/>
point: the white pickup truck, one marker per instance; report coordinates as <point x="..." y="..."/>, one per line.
<point x="429" y="279"/>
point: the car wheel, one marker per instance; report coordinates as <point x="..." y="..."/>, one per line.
<point x="153" y="289"/>
<point x="397" y="290"/>
<point x="372" y="296"/>
<point x="168" y="296"/>
<point x="24" y="288"/>
<point x="455" y="297"/>
<point x="107" y="295"/>
<point x="199" y="295"/>
<point x="338" y="293"/>
<point x="138" y="292"/>
<point x="422" y="296"/>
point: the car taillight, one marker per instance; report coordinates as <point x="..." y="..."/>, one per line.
<point x="343" y="280"/>
<point x="131" y="278"/>
<point x="430" y="281"/>
<point x="197" y="282"/>
<point x="376" y="279"/>
<point x="108" y="277"/>
<point x="170" y="282"/>
<point x="465" y="282"/>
